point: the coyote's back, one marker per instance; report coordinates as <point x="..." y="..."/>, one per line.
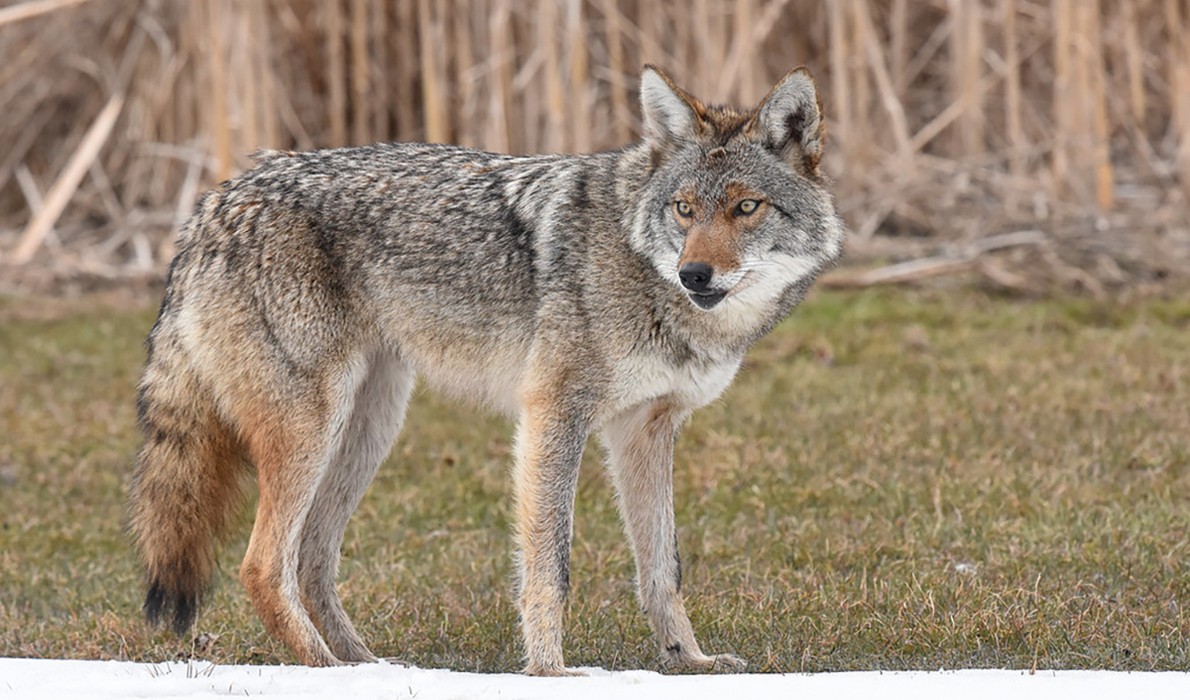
<point x="611" y="293"/>
<point x="295" y="274"/>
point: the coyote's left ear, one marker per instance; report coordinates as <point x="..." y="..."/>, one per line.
<point x="789" y="120"/>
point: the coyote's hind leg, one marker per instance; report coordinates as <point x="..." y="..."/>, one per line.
<point x="375" y="420"/>
<point x="291" y="439"/>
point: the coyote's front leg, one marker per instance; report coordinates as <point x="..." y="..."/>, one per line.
<point x="550" y="440"/>
<point x="640" y="443"/>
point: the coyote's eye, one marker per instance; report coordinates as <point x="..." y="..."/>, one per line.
<point x="683" y="209"/>
<point x="746" y="207"/>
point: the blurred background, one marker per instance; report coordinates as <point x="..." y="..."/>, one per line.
<point x="1038" y="145"/>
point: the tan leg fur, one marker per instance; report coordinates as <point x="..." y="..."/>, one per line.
<point x="291" y="440"/>
<point x="549" y="449"/>
<point x="377" y="414"/>
<point x="639" y="445"/>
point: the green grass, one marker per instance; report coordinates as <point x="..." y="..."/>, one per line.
<point x="896" y="480"/>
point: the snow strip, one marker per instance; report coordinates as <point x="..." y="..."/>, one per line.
<point x="100" y="680"/>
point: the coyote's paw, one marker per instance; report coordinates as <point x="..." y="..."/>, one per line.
<point x="551" y="671"/>
<point x="356" y="657"/>
<point x="727" y="663"/>
<point x="701" y="663"/>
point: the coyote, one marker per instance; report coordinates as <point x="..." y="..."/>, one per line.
<point x="611" y="293"/>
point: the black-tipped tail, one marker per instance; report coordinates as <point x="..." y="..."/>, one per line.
<point x="161" y="604"/>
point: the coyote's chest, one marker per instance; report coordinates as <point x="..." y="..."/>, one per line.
<point x="693" y="383"/>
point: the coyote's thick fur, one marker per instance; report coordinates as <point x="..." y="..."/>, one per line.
<point x="612" y="293"/>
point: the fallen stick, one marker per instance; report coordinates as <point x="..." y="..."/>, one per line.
<point x="28" y="10"/>
<point x="933" y="266"/>
<point x="68" y="181"/>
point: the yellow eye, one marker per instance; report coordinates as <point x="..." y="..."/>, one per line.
<point x="746" y="207"/>
<point x="683" y="209"/>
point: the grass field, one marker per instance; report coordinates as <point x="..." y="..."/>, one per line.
<point x="897" y="479"/>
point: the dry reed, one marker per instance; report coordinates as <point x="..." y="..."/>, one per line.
<point x="948" y="118"/>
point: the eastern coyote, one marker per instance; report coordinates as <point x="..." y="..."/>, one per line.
<point x="611" y="293"/>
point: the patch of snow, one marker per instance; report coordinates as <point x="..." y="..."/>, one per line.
<point x="37" y="679"/>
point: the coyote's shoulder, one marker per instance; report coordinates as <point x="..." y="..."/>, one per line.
<point x="611" y="293"/>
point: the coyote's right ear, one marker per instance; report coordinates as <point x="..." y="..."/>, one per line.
<point x="670" y="114"/>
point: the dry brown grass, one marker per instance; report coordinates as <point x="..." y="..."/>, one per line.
<point x="895" y="480"/>
<point x="948" y="118"/>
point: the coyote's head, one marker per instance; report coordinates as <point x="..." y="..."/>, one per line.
<point x="735" y="208"/>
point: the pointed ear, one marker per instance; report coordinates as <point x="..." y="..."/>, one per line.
<point x="670" y="114"/>
<point x="789" y="120"/>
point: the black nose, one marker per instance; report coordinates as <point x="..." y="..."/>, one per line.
<point x="696" y="276"/>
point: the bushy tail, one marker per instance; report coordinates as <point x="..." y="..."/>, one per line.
<point x="186" y="487"/>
